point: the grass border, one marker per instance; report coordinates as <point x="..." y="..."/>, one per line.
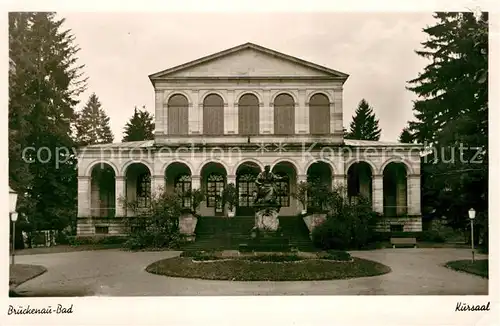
<point x="465" y="266"/>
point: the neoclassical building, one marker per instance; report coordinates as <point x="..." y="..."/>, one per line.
<point x="220" y="119"/>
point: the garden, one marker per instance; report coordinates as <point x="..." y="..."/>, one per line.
<point x="234" y="266"/>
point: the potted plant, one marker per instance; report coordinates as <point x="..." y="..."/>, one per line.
<point x="301" y="195"/>
<point x="230" y="197"/>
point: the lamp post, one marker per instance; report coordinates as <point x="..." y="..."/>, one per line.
<point x="472" y="216"/>
<point x="13" y="217"/>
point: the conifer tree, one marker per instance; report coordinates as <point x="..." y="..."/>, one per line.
<point x="452" y="112"/>
<point x="92" y="124"/>
<point x="364" y="125"/>
<point x="405" y="136"/>
<point x="140" y="126"/>
<point x="44" y="83"/>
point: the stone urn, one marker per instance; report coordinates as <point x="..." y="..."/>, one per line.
<point x="187" y="226"/>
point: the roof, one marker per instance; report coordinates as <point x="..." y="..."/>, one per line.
<point x="248" y="45"/>
<point x="376" y="143"/>
<point x="132" y="144"/>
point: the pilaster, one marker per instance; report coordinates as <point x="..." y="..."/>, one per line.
<point x="414" y="199"/>
<point x="160" y="112"/>
<point x="120" y="196"/>
<point x="84" y="196"/>
<point x="378" y="193"/>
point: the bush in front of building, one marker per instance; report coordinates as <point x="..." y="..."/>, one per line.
<point x="349" y="224"/>
<point x="155" y="224"/>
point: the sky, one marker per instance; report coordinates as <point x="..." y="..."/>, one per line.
<point x="377" y="50"/>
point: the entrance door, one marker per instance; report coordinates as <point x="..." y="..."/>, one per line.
<point x="245" y="184"/>
<point x="215" y="187"/>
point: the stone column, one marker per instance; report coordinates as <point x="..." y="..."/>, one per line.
<point x="413" y="189"/>
<point x="120" y="196"/>
<point x="157" y="184"/>
<point x="195" y="182"/>
<point x="340" y="180"/>
<point x="378" y="193"/>
<point x="231" y="178"/>
<point x="84" y="196"/>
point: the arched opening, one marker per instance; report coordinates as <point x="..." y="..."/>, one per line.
<point x="359" y="181"/>
<point x="286" y="187"/>
<point x="319" y="178"/>
<point x="284" y="115"/>
<point x="246" y="174"/>
<point x="178" y="181"/>
<point x="319" y="114"/>
<point x="213" y="182"/>
<point x="213" y="115"/>
<point x="138" y="186"/>
<point x="248" y="115"/>
<point x="102" y="194"/>
<point x="395" y="189"/>
<point x="178" y="115"/>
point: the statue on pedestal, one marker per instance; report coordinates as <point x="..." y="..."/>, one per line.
<point x="266" y="216"/>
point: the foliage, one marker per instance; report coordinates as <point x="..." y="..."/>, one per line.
<point x="44" y="83"/>
<point x="364" y="125"/>
<point x="301" y="193"/>
<point x="337" y="255"/>
<point x="349" y="224"/>
<point x="230" y="196"/>
<point x="157" y="225"/>
<point x="318" y="194"/>
<point x="452" y="116"/>
<point x="406" y="137"/>
<point x="197" y="197"/>
<point x="92" y="124"/>
<point x="140" y="126"/>
<point x="97" y="240"/>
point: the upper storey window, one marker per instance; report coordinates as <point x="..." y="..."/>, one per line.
<point x="284" y="115"/>
<point x="319" y="114"/>
<point x="213" y="115"/>
<point x="178" y="110"/>
<point x="248" y="115"/>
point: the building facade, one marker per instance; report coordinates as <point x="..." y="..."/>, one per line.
<point x="222" y="118"/>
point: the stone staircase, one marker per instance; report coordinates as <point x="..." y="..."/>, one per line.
<point x="222" y="233"/>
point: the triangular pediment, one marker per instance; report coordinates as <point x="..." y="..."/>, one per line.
<point x="249" y="60"/>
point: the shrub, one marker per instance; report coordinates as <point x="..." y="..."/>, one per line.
<point x="230" y="196"/>
<point x="157" y="225"/>
<point x="274" y="258"/>
<point x="338" y="255"/>
<point x="349" y="224"/>
<point x="96" y="240"/>
<point x="431" y="236"/>
<point x="201" y="255"/>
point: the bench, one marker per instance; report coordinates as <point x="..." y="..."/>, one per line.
<point x="404" y="242"/>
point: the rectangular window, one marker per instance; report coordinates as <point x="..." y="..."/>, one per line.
<point x="101" y="230"/>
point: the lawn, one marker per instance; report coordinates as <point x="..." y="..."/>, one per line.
<point x="245" y="269"/>
<point x="20" y="273"/>
<point x="479" y="267"/>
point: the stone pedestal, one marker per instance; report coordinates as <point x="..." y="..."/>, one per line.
<point x="266" y="219"/>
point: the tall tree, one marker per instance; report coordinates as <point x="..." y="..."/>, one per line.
<point x="405" y="136"/>
<point x="92" y="124"/>
<point x="140" y="127"/>
<point x="44" y="83"/>
<point x="452" y="115"/>
<point x="364" y="125"/>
